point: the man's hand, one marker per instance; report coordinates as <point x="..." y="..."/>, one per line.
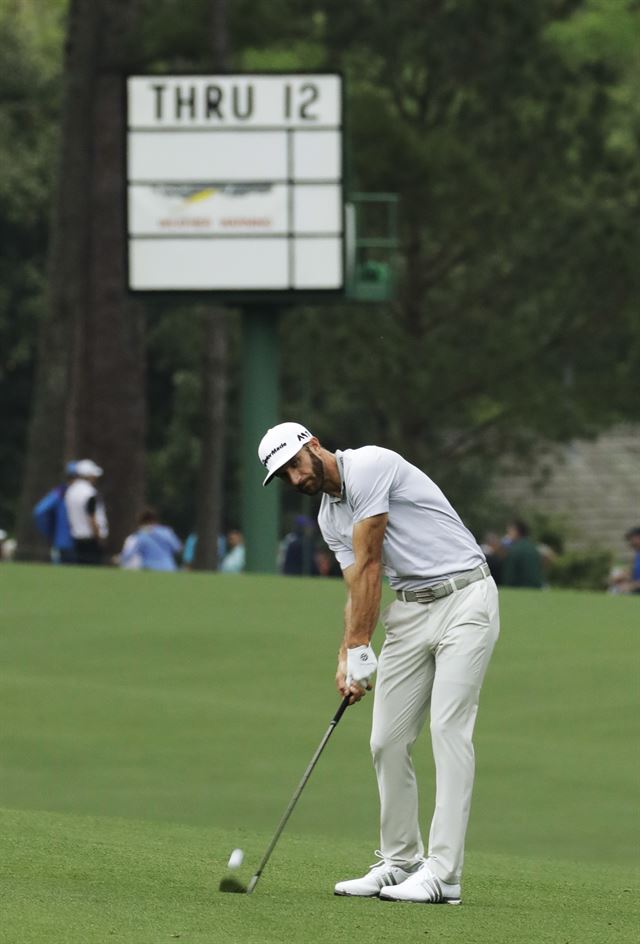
<point x="361" y="665"/>
<point x="351" y="687"/>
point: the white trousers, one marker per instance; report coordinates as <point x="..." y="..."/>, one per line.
<point x="434" y="657"/>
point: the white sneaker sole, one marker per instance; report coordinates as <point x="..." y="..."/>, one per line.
<point x="415" y="901"/>
<point x="356" y="894"/>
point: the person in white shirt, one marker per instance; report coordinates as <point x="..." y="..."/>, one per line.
<point x="382" y="515"/>
<point x="86" y="512"/>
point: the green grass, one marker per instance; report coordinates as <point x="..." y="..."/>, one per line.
<point x="151" y="723"/>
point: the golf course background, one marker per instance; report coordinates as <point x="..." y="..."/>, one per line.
<point x="151" y="723"/>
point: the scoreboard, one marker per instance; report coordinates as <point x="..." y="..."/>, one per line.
<point x="235" y="183"/>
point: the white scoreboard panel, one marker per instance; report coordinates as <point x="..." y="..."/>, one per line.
<point x="234" y="183"/>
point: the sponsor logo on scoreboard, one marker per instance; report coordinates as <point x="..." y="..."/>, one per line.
<point x="228" y="208"/>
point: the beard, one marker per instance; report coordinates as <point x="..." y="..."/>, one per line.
<point x="313" y="484"/>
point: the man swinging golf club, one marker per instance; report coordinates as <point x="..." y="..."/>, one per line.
<point x="380" y="514"/>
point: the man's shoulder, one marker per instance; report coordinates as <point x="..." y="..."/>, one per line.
<point x="79" y="487"/>
<point x="367" y="456"/>
<point x="162" y="529"/>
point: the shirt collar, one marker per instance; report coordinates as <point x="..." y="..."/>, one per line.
<point x="340" y="461"/>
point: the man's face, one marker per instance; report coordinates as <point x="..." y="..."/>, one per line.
<point x="305" y="472"/>
<point x="634" y="541"/>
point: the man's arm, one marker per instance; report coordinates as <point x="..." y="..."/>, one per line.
<point x="91" y="514"/>
<point x="364" y="586"/>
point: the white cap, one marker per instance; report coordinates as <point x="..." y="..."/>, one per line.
<point x="87" y="468"/>
<point x="279" y="444"/>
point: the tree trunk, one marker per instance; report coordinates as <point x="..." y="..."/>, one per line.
<point x="51" y="439"/>
<point x="89" y="399"/>
<point x="113" y="393"/>
<point x="211" y="476"/>
<point x="214" y="372"/>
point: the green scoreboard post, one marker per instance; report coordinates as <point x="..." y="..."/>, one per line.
<point x="260" y="410"/>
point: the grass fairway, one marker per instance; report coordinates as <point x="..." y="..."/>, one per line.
<point x="151" y="723"/>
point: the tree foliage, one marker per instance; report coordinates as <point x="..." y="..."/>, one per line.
<point x="29" y="98"/>
<point x="516" y="323"/>
<point x="510" y="132"/>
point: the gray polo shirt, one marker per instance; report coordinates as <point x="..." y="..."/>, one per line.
<point x="425" y="541"/>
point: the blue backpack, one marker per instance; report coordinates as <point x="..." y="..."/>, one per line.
<point x="50" y="518"/>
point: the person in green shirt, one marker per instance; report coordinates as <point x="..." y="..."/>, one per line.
<point x="522" y="565"/>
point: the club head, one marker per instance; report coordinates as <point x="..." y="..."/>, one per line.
<point x="233" y="886"/>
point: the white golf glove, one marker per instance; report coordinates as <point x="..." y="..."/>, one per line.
<point x="361" y="665"/>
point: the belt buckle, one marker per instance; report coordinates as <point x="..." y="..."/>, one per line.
<point x="425" y="596"/>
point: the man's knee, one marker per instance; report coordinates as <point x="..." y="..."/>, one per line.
<point x="452" y="731"/>
<point x="386" y="745"/>
<point x="454" y="709"/>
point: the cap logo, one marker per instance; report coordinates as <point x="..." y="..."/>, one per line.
<point x="275" y="449"/>
<point x="303" y="436"/>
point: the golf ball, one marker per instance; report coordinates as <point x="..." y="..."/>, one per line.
<point x="235" y="859"/>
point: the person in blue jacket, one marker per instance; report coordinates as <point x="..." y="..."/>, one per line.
<point x="153" y="546"/>
<point x="51" y="519"/>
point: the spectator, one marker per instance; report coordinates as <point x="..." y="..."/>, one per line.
<point x="128" y="558"/>
<point x="190" y="545"/>
<point x="494" y="551"/>
<point x="296" y="550"/>
<point x="86" y="512"/>
<point x="633" y="537"/>
<point x="326" y="563"/>
<point x="189" y="552"/>
<point x="522" y="565"/>
<point x="234" y="560"/>
<point x="627" y="579"/>
<point x="8" y="547"/>
<point x="154" y="546"/>
<point x="51" y="519"/>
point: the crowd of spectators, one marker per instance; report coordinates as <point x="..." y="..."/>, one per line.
<point x="514" y="559"/>
<point x="73" y="518"/>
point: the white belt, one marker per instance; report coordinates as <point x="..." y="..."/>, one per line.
<point x="437" y="590"/>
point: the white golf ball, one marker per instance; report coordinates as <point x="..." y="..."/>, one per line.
<point x="235" y="859"/>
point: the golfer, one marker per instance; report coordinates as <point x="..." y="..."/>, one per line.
<point x="382" y="515"/>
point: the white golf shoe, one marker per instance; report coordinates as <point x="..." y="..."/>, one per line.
<point x="425" y="887"/>
<point x="380" y="875"/>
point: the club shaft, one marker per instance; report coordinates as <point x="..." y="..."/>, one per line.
<point x="294" y="799"/>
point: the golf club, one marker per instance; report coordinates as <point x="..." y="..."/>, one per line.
<point x="233" y="885"/>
